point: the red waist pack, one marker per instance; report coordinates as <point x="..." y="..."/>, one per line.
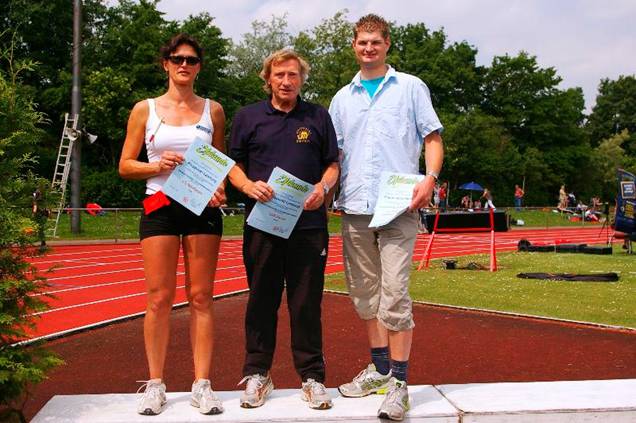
<point x="155" y="201"/>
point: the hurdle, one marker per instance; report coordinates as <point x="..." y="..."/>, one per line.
<point x="426" y="257"/>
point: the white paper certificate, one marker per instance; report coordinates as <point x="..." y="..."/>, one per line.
<point x="194" y="181"/>
<point x="279" y="215"/>
<point x="394" y="197"/>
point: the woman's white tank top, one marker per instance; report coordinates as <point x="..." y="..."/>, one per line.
<point x="161" y="137"/>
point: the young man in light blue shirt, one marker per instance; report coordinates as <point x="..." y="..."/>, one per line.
<point x="382" y="118"/>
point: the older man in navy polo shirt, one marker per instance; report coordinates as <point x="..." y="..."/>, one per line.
<point x="298" y="137"/>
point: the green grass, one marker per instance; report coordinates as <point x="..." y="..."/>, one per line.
<point x="112" y="225"/>
<point x="599" y="302"/>
<point x="545" y="218"/>
<point x="125" y="224"/>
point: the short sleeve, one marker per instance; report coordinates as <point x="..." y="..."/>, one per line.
<point x="425" y="116"/>
<point x="336" y="119"/>
<point x="330" y="146"/>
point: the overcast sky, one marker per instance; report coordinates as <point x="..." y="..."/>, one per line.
<point x="585" y="40"/>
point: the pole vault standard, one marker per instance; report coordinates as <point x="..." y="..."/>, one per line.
<point x="426" y="257"/>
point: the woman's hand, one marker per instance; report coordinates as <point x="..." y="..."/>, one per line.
<point x="219" y="198"/>
<point x="169" y="160"/>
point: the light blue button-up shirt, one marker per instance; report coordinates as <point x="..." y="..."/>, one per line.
<point x="380" y="133"/>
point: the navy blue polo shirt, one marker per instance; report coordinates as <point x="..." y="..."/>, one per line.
<point x="302" y="142"/>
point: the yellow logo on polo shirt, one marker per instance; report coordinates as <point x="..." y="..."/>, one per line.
<point x="302" y="134"/>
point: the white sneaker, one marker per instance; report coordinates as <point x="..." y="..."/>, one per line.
<point x="153" y="399"/>
<point x="368" y="381"/>
<point x="396" y="403"/>
<point x="204" y="398"/>
<point x="257" y="389"/>
<point x="316" y="395"/>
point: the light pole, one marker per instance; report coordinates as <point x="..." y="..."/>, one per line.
<point x="76" y="105"/>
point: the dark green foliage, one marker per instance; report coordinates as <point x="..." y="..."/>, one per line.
<point x="615" y="110"/>
<point x="20" y="282"/>
<point x="450" y="71"/>
<point x="108" y="189"/>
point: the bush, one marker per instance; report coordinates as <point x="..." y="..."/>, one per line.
<point x="21" y="285"/>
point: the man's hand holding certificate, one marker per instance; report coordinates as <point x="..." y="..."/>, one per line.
<point x="279" y="215"/>
<point x="394" y="197"/>
<point x="194" y="182"/>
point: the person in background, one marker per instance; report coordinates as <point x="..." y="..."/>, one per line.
<point x="465" y="203"/>
<point x="563" y="198"/>
<point x="382" y="118"/>
<point x="167" y="125"/>
<point x="40" y="213"/>
<point x="487" y="196"/>
<point x="443" y="196"/>
<point x="519" y="193"/>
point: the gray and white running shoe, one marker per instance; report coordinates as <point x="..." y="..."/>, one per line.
<point x="204" y="398"/>
<point x="153" y="398"/>
<point x="368" y="381"/>
<point x="257" y="388"/>
<point x="396" y="403"/>
<point x="316" y="395"/>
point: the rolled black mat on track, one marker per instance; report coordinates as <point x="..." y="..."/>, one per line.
<point x="570" y="248"/>
<point x="596" y="277"/>
<point x="597" y="250"/>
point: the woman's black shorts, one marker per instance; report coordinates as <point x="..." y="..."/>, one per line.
<point x="174" y="219"/>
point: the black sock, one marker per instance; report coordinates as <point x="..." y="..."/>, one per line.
<point x="380" y="358"/>
<point x="399" y="369"/>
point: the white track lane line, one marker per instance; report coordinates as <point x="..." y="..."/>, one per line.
<point x="133" y="269"/>
<point x="123" y="297"/>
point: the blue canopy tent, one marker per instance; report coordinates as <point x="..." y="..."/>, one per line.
<point x="471" y="186"/>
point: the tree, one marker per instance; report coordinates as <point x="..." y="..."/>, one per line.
<point x="450" y="71"/>
<point x="479" y="148"/>
<point x="528" y="101"/>
<point x="21" y="286"/>
<point x="608" y="156"/>
<point x="615" y="110"/>
<point x="246" y="57"/>
<point x="327" y="48"/>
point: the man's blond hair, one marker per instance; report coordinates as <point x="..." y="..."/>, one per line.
<point x="372" y="23"/>
<point x="279" y="57"/>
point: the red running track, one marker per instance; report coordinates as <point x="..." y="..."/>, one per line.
<point x="94" y="284"/>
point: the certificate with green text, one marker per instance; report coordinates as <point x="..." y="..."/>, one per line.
<point x="194" y="181"/>
<point x="279" y="215"/>
<point x="394" y="196"/>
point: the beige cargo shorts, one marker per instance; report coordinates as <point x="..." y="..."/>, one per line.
<point x="377" y="268"/>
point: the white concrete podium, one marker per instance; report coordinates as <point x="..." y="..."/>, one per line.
<point x="580" y="401"/>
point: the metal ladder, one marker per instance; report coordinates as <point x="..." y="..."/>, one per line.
<point x="63" y="165"/>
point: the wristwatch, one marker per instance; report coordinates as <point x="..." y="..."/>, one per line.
<point x="325" y="187"/>
<point x="435" y="175"/>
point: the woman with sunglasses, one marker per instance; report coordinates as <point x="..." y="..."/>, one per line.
<point x="167" y="125"/>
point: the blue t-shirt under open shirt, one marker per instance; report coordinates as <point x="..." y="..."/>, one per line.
<point x="371" y="85"/>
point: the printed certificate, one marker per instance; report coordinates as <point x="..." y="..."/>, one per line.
<point x="194" y="181"/>
<point x="394" y="197"/>
<point x="279" y="215"/>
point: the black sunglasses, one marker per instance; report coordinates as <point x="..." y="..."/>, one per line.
<point x="190" y="60"/>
